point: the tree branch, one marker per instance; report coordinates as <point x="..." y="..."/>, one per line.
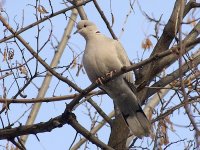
<point x="171" y="110"/>
<point x="173" y="76"/>
<point x="169" y="33"/>
<point x="104" y="19"/>
<point x="47" y="99"/>
<point x="44" y="19"/>
<point x="57" y="122"/>
<point x="31" y="50"/>
<point x="93" y="131"/>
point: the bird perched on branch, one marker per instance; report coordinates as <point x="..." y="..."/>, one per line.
<point x="102" y="57"/>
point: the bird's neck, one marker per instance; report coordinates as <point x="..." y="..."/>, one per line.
<point x="94" y="37"/>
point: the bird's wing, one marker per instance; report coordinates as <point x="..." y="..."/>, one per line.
<point x="122" y="56"/>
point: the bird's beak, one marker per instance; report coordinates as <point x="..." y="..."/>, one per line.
<point x="76" y="31"/>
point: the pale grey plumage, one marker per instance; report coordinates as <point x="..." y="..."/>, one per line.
<point x="102" y="55"/>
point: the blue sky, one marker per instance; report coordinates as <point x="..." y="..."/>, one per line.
<point x="137" y="29"/>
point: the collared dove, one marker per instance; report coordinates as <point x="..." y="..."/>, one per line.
<point x="103" y="55"/>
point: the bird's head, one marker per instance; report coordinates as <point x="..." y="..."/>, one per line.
<point x="86" y="28"/>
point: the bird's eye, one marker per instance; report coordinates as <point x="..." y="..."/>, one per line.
<point x="85" y="25"/>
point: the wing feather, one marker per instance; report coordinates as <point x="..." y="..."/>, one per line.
<point x="122" y="56"/>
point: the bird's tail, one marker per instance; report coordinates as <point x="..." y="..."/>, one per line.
<point x="138" y="123"/>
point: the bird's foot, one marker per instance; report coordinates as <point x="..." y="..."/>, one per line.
<point x="99" y="80"/>
<point x="110" y="74"/>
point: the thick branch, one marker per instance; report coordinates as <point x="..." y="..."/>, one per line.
<point x="189" y="42"/>
<point x="57" y="122"/>
<point x="169" y="33"/>
<point x="173" y="76"/>
<point x="191" y="4"/>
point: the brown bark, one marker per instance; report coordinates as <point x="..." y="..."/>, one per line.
<point x="119" y="133"/>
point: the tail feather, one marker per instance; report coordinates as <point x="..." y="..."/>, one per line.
<point x="144" y="121"/>
<point x="138" y="124"/>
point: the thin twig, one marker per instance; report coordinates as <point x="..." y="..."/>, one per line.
<point x="43" y="19"/>
<point x="31" y="50"/>
<point x="104" y="19"/>
<point x="47" y="99"/>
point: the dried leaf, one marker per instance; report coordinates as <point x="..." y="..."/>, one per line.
<point x="191" y="21"/>
<point x="143" y="46"/>
<point x="147" y="44"/>
<point x="4" y="55"/>
<point x="11" y="54"/>
<point x="42" y="10"/>
<point x="163" y="131"/>
<point x="166" y="140"/>
<point x="161" y="142"/>
<point x="23" y="70"/>
<point x="163" y="128"/>
<point x="167" y="119"/>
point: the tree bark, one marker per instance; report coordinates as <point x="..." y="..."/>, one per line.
<point x="119" y="133"/>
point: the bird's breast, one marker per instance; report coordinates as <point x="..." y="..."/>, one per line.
<point x="99" y="59"/>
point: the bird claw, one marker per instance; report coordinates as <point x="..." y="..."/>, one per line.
<point x="110" y="74"/>
<point x="99" y="80"/>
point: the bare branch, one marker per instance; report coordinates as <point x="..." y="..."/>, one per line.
<point x="104" y="19"/>
<point x="31" y="50"/>
<point x="93" y="131"/>
<point x="47" y="99"/>
<point x="100" y="111"/>
<point x="44" y="19"/>
<point x="48" y="77"/>
<point x="57" y="122"/>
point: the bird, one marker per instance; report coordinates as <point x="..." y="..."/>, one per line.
<point x="103" y="56"/>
